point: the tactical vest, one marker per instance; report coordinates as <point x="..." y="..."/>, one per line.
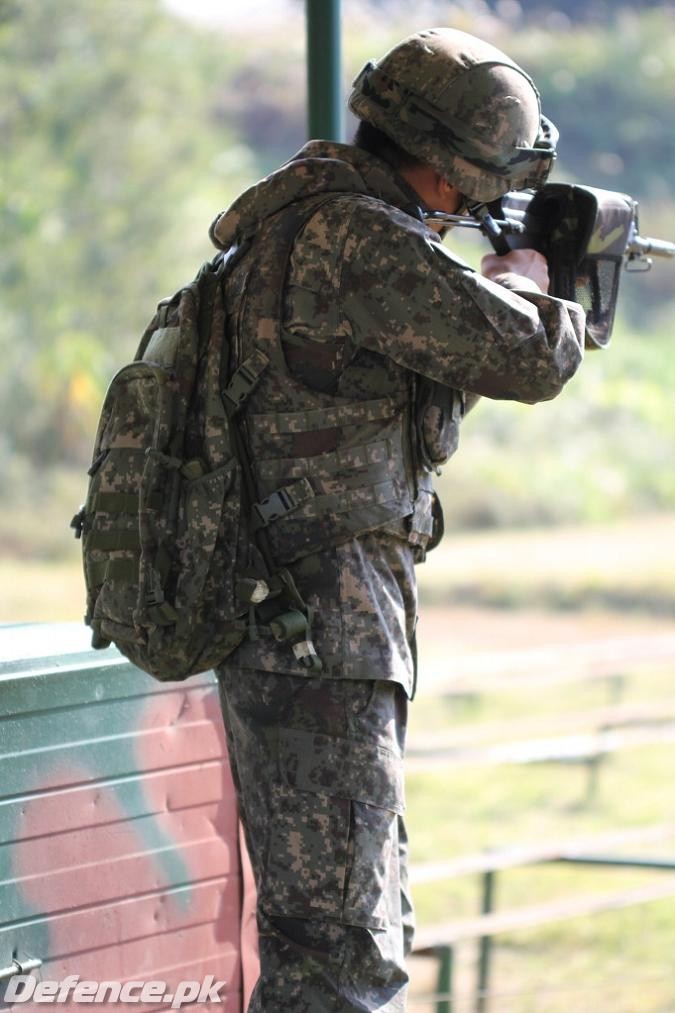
<point x="329" y="467"/>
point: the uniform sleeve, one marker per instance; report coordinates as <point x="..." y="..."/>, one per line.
<point x="404" y="295"/>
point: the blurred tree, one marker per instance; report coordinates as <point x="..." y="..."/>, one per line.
<point x="610" y="93"/>
<point x="106" y="126"/>
<point x="574" y="10"/>
<point x="124" y="130"/>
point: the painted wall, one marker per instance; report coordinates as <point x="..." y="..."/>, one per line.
<point x="119" y="841"/>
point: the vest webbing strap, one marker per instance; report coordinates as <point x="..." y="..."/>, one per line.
<point x="114" y="539"/>
<point x="113" y="569"/>
<point x="334" y="417"/>
<point x="331" y="462"/>
<point x="343" y="502"/>
<point x="237" y="390"/>
<point x="369" y="481"/>
<point x="122" y="502"/>
<point x="277" y="506"/>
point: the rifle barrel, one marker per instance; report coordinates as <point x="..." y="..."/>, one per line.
<point x="644" y="245"/>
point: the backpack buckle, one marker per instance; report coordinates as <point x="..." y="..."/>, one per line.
<point x="281" y="502"/>
<point x="270" y="509"/>
<point x="243" y="380"/>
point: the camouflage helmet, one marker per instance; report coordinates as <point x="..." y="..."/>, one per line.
<point x="463" y="107"/>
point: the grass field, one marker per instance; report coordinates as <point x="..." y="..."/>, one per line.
<point x="597" y="583"/>
<point x="452" y="812"/>
<point x="500" y="592"/>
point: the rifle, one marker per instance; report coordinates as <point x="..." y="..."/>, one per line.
<point x="586" y="235"/>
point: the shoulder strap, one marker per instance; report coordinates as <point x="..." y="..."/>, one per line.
<point x="266" y="280"/>
<point x="269" y="272"/>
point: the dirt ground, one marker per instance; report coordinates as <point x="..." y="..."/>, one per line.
<point x="449" y="632"/>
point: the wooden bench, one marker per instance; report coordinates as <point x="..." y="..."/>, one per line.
<point x="439" y="940"/>
<point x="596" y="719"/>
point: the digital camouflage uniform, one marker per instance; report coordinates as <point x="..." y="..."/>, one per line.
<point x="388" y="339"/>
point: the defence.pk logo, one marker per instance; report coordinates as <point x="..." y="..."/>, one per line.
<point x="24" y="987"/>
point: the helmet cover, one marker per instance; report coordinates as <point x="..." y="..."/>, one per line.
<point x="462" y="106"/>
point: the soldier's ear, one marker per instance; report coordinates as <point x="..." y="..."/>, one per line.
<point x="449" y="196"/>
<point x="445" y="189"/>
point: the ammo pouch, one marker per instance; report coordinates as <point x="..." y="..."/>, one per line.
<point x="438" y="415"/>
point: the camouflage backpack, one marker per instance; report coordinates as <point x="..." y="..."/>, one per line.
<point x="163" y="527"/>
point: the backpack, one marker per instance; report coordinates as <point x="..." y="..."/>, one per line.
<point x="164" y="526"/>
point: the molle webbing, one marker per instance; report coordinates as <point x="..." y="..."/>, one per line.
<point x="300" y="498"/>
<point x="264" y="428"/>
<point x="326" y="465"/>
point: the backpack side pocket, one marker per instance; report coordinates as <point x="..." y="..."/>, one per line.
<point x="135" y="420"/>
<point x="208" y="527"/>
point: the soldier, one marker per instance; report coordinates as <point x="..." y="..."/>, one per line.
<point x="379" y="340"/>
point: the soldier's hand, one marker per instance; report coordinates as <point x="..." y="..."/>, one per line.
<point x="515" y="265"/>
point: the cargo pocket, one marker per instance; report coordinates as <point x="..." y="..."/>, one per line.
<point x="333" y="849"/>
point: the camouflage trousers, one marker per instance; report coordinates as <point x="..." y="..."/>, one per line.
<point x="317" y="765"/>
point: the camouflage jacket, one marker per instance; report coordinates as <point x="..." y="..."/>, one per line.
<point x="383" y="325"/>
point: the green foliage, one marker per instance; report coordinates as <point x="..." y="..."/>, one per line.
<point x="603" y="449"/>
<point x="610" y="92"/>
<point x="105" y="200"/>
<point x="125" y="129"/>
